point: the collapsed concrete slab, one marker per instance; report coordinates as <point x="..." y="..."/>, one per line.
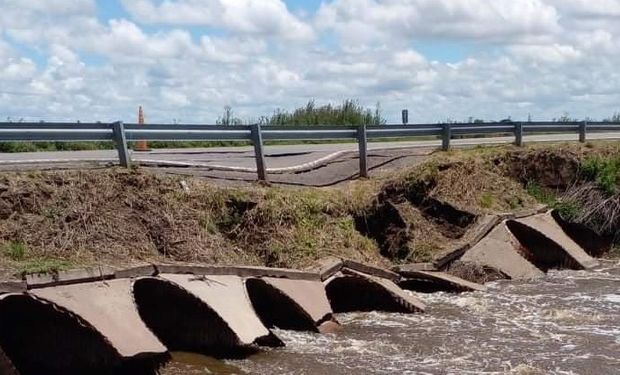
<point x="43" y="337"/>
<point x="547" y="245"/>
<point x="350" y="291"/>
<point x="430" y="282"/>
<point x="204" y="314"/>
<point x="109" y="308"/>
<point x="327" y="267"/>
<point x="593" y="243"/>
<point x="501" y="251"/>
<point x="241" y="271"/>
<point x="300" y="305"/>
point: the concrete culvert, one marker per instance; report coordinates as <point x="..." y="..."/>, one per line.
<point x="276" y="309"/>
<point x="352" y="294"/>
<point x="185" y="323"/>
<point x="593" y="243"/>
<point x="541" y="251"/>
<point x="42" y="338"/>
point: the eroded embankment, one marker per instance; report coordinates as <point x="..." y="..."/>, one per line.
<point x="55" y="220"/>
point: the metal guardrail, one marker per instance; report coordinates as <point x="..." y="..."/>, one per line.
<point x="121" y="133"/>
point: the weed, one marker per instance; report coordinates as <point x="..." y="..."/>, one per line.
<point x="541" y="194"/>
<point x="15" y="250"/>
<point x="486" y="200"/>
<point x="43" y="265"/>
<point x="605" y="172"/>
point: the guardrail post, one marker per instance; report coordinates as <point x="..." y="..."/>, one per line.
<point x="446" y="136"/>
<point x="257" y="140"/>
<point x="118" y="131"/>
<point x="583" y="131"/>
<point x="362" y="140"/>
<point x="519" y="134"/>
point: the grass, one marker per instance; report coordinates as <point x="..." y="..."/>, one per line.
<point x="605" y="172"/>
<point x="14" y="250"/>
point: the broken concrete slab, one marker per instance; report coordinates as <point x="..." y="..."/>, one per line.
<point x="548" y="227"/>
<point x="501" y="251"/>
<point x="593" y="243"/>
<point x="327" y="267"/>
<point x="310" y="296"/>
<point x="64" y="342"/>
<point x="351" y="291"/>
<point x="135" y="272"/>
<point x="12" y="287"/>
<point x="227" y="296"/>
<point x="244" y="271"/>
<point x="483" y="226"/>
<point x="437" y="281"/>
<point x="371" y="270"/>
<point x="74" y="276"/>
<point x="108" y="307"/>
<point x="412" y="267"/>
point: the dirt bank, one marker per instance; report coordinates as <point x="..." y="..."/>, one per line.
<point x="51" y="220"/>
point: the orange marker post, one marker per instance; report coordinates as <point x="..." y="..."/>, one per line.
<point x="141" y="145"/>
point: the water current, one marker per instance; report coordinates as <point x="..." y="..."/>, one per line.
<point x="567" y="323"/>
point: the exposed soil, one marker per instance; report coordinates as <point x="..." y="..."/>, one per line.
<point x="61" y="219"/>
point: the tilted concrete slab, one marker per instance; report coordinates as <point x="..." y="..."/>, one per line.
<point x="371" y="270"/>
<point x="546" y="225"/>
<point x="308" y="295"/>
<point x="109" y="307"/>
<point x="346" y="288"/>
<point x="242" y="271"/>
<point x="226" y="295"/>
<point x="500" y="250"/>
<point x="327" y="267"/>
<point x="443" y="279"/>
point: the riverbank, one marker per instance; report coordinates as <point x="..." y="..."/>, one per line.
<point x="71" y="219"/>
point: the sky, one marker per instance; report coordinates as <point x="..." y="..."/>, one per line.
<point x="184" y="60"/>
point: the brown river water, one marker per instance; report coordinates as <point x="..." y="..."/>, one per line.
<point x="568" y="323"/>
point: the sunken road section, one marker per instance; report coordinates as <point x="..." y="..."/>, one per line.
<point x="101" y="321"/>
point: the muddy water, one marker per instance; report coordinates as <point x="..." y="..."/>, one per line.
<point x="568" y="323"/>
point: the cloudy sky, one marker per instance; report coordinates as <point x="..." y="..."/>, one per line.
<point x="186" y="59"/>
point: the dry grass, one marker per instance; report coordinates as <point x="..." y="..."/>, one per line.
<point x="118" y="217"/>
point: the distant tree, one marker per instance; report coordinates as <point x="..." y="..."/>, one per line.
<point x="228" y="118"/>
<point x="350" y="112"/>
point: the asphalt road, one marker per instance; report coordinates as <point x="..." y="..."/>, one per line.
<point x="281" y="158"/>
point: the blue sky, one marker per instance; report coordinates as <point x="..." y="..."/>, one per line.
<point x="187" y="59"/>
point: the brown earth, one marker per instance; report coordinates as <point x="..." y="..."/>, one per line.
<point x="61" y="219"/>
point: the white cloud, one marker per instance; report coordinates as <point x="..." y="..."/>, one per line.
<point x="264" y="17"/>
<point x="58" y="60"/>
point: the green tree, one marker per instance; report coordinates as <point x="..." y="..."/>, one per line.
<point x="350" y="112"/>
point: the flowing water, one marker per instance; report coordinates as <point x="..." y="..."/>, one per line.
<point x="568" y="323"/>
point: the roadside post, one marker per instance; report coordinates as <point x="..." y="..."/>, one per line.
<point x="362" y="140"/>
<point x="118" y="130"/>
<point x="583" y="131"/>
<point x="446" y="136"/>
<point x="405" y="115"/>
<point x="257" y="140"/>
<point x="519" y="134"/>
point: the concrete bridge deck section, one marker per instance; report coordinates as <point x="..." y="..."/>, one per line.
<point x="546" y="225"/>
<point x="501" y="251"/>
<point x="310" y="297"/>
<point x="350" y="291"/>
<point x="227" y="296"/>
<point x="109" y="307"/>
<point x="436" y="281"/>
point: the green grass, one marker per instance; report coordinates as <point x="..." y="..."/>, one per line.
<point x="43" y="265"/>
<point x="541" y="194"/>
<point x="14" y="250"/>
<point x="605" y="172"/>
